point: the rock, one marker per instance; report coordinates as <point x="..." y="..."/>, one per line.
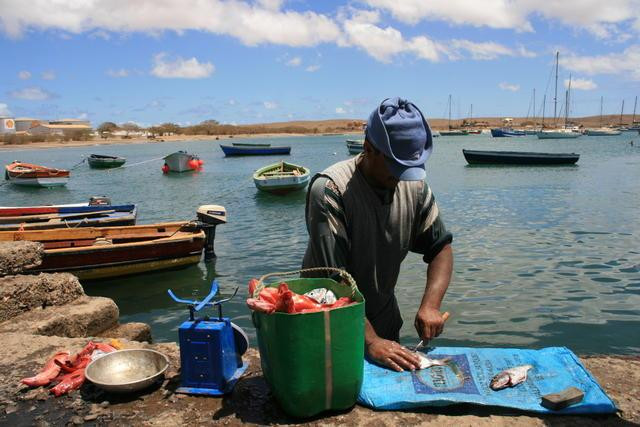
<point x="10" y="409"/>
<point x="19" y="256"/>
<point x="19" y="294"/>
<point x="133" y="331"/>
<point x="76" y="420"/>
<point x="84" y="317"/>
<point x="91" y="417"/>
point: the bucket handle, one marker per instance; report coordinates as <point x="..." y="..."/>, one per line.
<point x="343" y="273"/>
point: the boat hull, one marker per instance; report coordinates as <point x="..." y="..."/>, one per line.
<point x="506" y="133"/>
<point x="105" y="162"/>
<point x="475" y="157"/>
<point x="179" y="162"/>
<point x="453" y="133"/>
<point x="270" y="180"/>
<point x="355" y="147"/>
<point x="602" y="132"/>
<point x="558" y="135"/>
<point x="229" y="150"/>
<point x="40" y="182"/>
<point x="64" y="217"/>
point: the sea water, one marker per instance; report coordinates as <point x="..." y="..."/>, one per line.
<point x="543" y="255"/>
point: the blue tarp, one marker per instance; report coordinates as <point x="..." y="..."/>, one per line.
<point x="466" y="379"/>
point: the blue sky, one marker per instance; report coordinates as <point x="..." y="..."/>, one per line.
<point x="152" y="61"/>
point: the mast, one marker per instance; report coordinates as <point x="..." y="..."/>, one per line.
<point x="635" y="104"/>
<point x="449" y="111"/>
<point x="555" y="96"/>
<point x="601" y="101"/>
<point x="621" y="112"/>
<point x="534" y="106"/>
<point x="566" y="102"/>
<point x="544" y="104"/>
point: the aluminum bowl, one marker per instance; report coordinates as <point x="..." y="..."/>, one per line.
<point x="127" y="370"/>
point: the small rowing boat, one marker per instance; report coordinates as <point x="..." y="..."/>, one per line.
<point x="355" y="146"/>
<point x="475" y="157"/>
<point x="253" y="150"/>
<point x="101" y="161"/>
<point x="97" y="253"/>
<point x="281" y="178"/>
<point x="181" y="161"/>
<point x="35" y="175"/>
<point x="45" y="217"/>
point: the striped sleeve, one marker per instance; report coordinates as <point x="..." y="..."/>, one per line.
<point x="326" y="224"/>
<point x="431" y="233"/>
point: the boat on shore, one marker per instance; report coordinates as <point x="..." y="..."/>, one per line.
<point x="254" y="150"/>
<point x="281" y="178"/>
<point x="97" y="253"/>
<point x="506" y="132"/>
<point x="476" y="157"/>
<point x="28" y="174"/>
<point x="181" y="161"/>
<point x="39" y="218"/>
<point x="355" y="146"/>
<point x="101" y="161"/>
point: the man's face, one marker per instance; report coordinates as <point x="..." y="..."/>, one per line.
<point x="379" y="172"/>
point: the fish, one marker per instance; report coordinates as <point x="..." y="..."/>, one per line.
<point x="69" y="382"/>
<point x="426" y="362"/>
<point x="322" y="296"/>
<point x="49" y="372"/>
<point x="510" y="377"/>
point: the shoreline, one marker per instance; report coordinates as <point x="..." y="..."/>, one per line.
<point x="159" y="140"/>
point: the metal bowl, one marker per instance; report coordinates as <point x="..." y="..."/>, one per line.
<point x="127" y="370"/>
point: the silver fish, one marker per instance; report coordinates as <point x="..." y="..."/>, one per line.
<point x="322" y="296"/>
<point x="510" y="377"/>
<point x="426" y="362"/>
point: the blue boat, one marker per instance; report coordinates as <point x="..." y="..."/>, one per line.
<point x="506" y="132"/>
<point x="254" y="150"/>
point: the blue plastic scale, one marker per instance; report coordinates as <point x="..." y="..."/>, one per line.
<point x="211" y="349"/>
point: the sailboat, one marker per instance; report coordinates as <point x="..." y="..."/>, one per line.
<point x="559" y="133"/>
<point x="451" y="131"/>
<point x="635" y="125"/>
<point x="602" y="131"/>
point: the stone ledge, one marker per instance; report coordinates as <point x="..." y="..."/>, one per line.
<point x="19" y="256"/>
<point x="19" y="294"/>
<point x="133" y="331"/>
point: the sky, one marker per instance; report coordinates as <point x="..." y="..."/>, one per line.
<point x="154" y="61"/>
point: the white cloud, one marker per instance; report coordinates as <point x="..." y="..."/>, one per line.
<point x="340" y="110"/>
<point x="48" y="75"/>
<point x="252" y="24"/>
<point x="117" y="73"/>
<point x="312" y="68"/>
<point x="624" y="63"/>
<point x="83" y="116"/>
<point x="180" y="68"/>
<point x="24" y="75"/>
<point x="509" y="86"/>
<point x="602" y="19"/>
<point x="581" y="84"/>
<point x="296" y="61"/>
<point x="231" y="101"/>
<point x="4" y="110"/>
<point x="32" y="94"/>
<point x="269" y="105"/>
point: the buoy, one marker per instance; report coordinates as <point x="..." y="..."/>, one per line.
<point x="193" y="163"/>
<point x="165" y="168"/>
<point x="200" y="162"/>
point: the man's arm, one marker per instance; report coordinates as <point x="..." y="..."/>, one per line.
<point x="429" y="322"/>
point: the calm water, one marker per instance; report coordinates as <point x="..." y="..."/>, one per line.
<point x="543" y="256"/>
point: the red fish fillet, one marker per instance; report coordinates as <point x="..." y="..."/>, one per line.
<point x="49" y="372"/>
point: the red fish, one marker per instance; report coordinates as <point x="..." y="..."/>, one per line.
<point x="69" y="382"/>
<point x="49" y="372"/>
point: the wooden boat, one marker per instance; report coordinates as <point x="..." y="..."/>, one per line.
<point x="240" y="150"/>
<point x="181" y="161"/>
<point x="45" y="217"/>
<point x="355" y="146"/>
<point x="100" y="161"/>
<point x="35" y="175"/>
<point x="475" y="157"/>
<point x="281" y="178"/>
<point x="97" y="253"/>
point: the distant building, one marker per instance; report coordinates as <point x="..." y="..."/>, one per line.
<point x="26" y="123"/>
<point x="7" y="125"/>
<point x="51" y="129"/>
<point x="71" y="122"/>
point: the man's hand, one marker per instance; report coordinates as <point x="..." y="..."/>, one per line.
<point x="392" y="355"/>
<point x="429" y="323"/>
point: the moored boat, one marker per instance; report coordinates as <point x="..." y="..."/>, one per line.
<point x="32" y="175"/>
<point x="45" y="217"/>
<point x="453" y="132"/>
<point x="355" y="146"/>
<point x="558" y="134"/>
<point x="250" y="144"/>
<point x="506" y="132"/>
<point x="281" y="178"/>
<point x="477" y="157"/>
<point x="181" y="161"/>
<point x="101" y="161"/>
<point x="602" y="132"/>
<point x="96" y="253"/>
<point x="248" y="150"/>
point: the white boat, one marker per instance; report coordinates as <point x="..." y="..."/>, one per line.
<point x="355" y="146"/>
<point x="602" y="132"/>
<point x="557" y="134"/>
<point x="181" y="161"/>
<point x="281" y="178"/>
<point x="28" y="174"/>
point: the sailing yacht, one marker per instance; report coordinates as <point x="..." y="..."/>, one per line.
<point x="602" y="130"/>
<point x="451" y="131"/>
<point x="559" y="133"/>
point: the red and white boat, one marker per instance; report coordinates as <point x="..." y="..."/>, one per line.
<point x="35" y="175"/>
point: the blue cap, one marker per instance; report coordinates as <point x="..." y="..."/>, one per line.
<point x="399" y="130"/>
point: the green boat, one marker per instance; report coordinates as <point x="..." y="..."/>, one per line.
<point x="99" y="161"/>
<point x="281" y="178"/>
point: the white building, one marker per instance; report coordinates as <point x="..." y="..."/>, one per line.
<point x="26" y="123"/>
<point x="51" y="129"/>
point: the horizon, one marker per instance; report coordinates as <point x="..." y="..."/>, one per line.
<point x="272" y="61"/>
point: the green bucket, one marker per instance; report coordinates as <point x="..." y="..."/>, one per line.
<point x="313" y="361"/>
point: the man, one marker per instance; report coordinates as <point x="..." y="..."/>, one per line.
<point x="366" y="213"/>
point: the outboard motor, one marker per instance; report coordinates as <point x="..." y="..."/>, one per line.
<point x="99" y="201"/>
<point x="209" y="216"/>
